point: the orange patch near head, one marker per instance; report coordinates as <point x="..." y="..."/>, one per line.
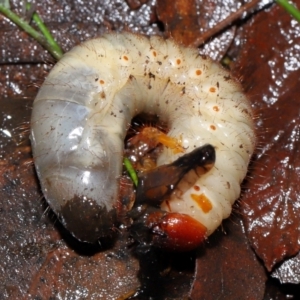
<point x="203" y="202"/>
<point x="156" y="136"/>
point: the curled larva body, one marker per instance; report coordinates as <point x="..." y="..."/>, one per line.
<point x="83" y="110"/>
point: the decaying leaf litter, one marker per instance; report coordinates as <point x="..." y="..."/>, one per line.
<point x="269" y="202"/>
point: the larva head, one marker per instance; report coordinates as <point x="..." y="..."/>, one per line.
<point x="176" y="232"/>
<point x="168" y="231"/>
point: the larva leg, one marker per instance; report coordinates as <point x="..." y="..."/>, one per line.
<point x="156" y="184"/>
<point x="152" y="136"/>
<point x="142" y="148"/>
<point x="169" y="231"/>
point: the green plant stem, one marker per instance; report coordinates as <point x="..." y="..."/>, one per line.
<point x="31" y="31"/>
<point x="47" y="34"/>
<point x="290" y="8"/>
<point x="130" y="170"/>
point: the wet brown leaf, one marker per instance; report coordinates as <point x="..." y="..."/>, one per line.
<point x="186" y="20"/>
<point x="135" y="4"/>
<point x="289" y="271"/>
<point x="227" y="268"/>
<point x="180" y="18"/>
<point x="271" y="204"/>
<point x="31" y="243"/>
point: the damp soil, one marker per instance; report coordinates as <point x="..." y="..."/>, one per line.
<point x="253" y="255"/>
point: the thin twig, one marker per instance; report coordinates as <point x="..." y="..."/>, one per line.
<point x="30" y="30"/>
<point x="56" y="50"/>
<point x="225" y="23"/>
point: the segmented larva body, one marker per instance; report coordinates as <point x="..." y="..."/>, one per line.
<point x="83" y="110"/>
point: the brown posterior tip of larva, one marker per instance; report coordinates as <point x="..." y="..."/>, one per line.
<point x="213" y="127"/>
<point x="125" y="57"/>
<point x="101" y="81"/>
<point x="203" y="202"/>
<point x="212" y="89"/>
<point x="178" y="61"/>
<point x="154" y="53"/>
<point x="216" y="108"/>
<point x="87" y="220"/>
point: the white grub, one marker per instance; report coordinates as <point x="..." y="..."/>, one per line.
<point x="82" y="112"/>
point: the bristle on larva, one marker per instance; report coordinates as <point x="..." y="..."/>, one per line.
<point x="83" y="110"/>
